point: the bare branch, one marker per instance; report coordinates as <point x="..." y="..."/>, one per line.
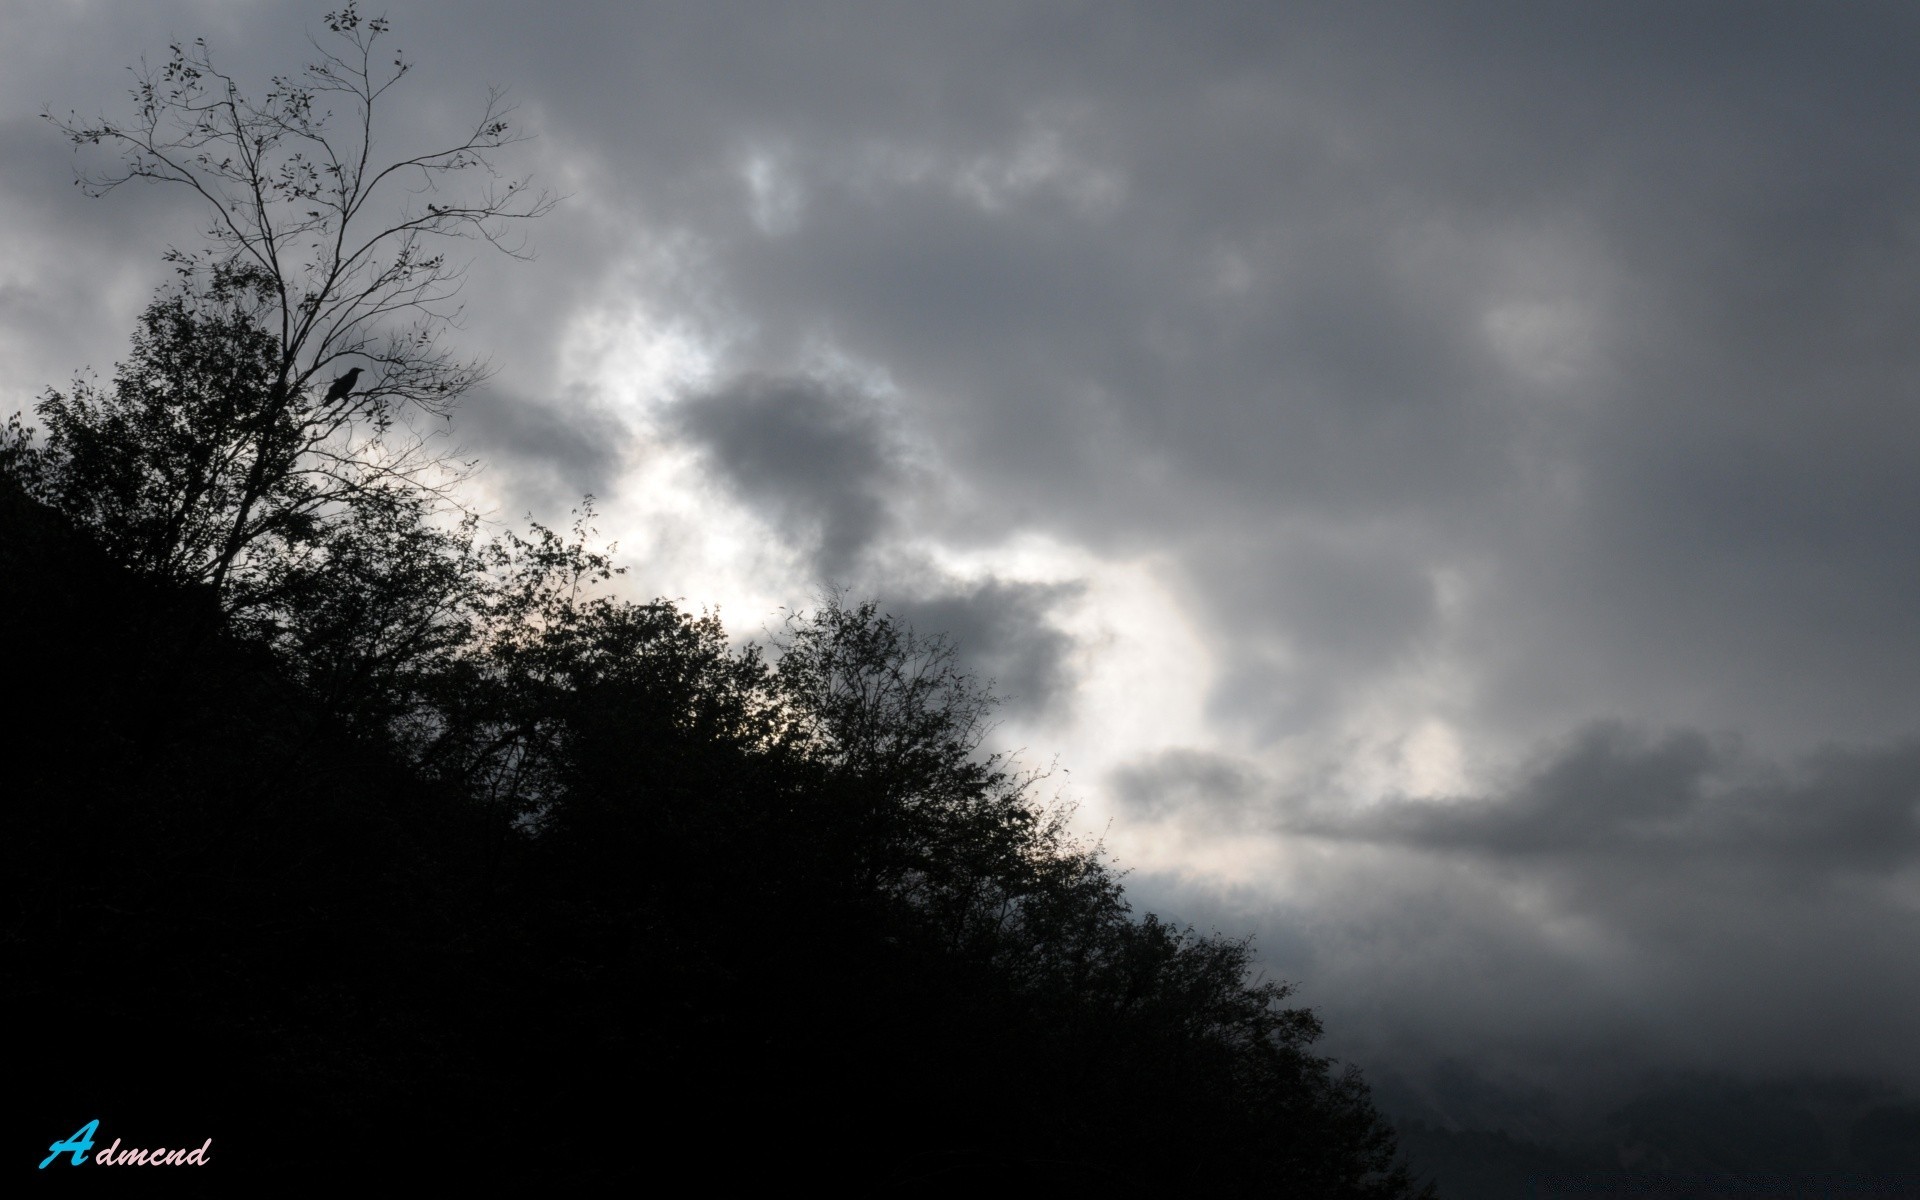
<point x="328" y="252"/>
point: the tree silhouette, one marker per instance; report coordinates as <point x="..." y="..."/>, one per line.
<point x="183" y="475"/>
<point x="319" y="253"/>
<point x="473" y="833"/>
<point x="161" y="466"/>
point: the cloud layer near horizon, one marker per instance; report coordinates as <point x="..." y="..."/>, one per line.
<point x="1328" y="426"/>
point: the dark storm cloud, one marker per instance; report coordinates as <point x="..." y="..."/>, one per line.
<point x="820" y="459"/>
<point x="1598" y="305"/>
<point x="555" y="452"/>
<point x="1003" y="632"/>
<point x="817" y="457"/>
<point x="1629" y="903"/>
<point x="1620" y="800"/>
<point x="1212" y="790"/>
<point x="73" y="274"/>
<point x="1315" y="617"/>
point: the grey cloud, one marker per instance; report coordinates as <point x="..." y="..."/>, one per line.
<point x="1619" y="799"/>
<point x="1579" y="979"/>
<point x="1207" y="789"/>
<point x="1003" y="634"/>
<point x="1628" y="902"/>
<point x="75" y="273"/>
<point x="816" y="456"/>
<point x="1608" y="792"/>
<point x="552" y="452"/>
<point x="1675" y="801"/>
<point x="1284" y="306"/>
<point x="1306" y="620"/>
<point x="823" y="460"/>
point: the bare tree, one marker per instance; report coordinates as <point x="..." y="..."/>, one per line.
<point x="336" y="255"/>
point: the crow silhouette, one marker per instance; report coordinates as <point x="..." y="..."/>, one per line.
<point x="343" y="386"/>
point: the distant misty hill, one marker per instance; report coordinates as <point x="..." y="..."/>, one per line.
<point x="1682" y="1136"/>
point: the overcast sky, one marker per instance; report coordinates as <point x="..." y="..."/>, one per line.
<point x="1440" y="478"/>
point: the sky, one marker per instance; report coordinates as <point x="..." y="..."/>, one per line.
<point x="1437" y="479"/>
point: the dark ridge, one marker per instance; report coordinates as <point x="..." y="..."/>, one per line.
<point x="233" y="913"/>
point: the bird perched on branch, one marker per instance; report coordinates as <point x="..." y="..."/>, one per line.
<point x="343" y="386"/>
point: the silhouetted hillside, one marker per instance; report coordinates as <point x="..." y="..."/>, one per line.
<point x="226" y="917"/>
<point x="708" y="912"/>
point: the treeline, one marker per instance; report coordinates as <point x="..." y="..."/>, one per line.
<point x="412" y="847"/>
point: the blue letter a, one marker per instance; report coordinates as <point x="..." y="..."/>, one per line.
<point x="79" y="1143"/>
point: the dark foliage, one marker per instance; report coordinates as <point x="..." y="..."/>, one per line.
<point x="589" y="889"/>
